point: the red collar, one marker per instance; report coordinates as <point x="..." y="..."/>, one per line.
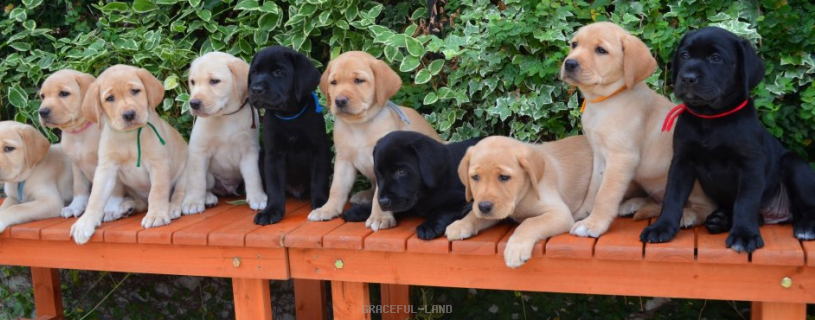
<point x="676" y="111"/>
<point x="87" y="125"/>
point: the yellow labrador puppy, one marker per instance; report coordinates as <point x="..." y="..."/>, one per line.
<point x="224" y="145"/>
<point x="36" y="175"/>
<point x="137" y="146"/>
<point x="622" y="121"/>
<point x="61" y="107"/>
<point x="538" y="185"/>
<point x="357" y="87"/>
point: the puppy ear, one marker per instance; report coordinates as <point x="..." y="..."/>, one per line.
<point x="84" y="80"/>
<point x="534" y="168"/>
<point x="306" y="76"/>
<point x="638" y="63"/>
<point x="433" y="160"/>
<point x="464" y="175"/>
<point x="324" y="86"/>
<point x="35" y="144"/>
<point x="752" y="68"/>
<point x="154" y="88"/>
<point x="240" y="78"/>
<point x="91" y="106"/>
<point x="387" y="83"/>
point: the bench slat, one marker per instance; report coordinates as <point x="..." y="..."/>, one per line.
<point x="711" y="249"/>
<point x="439" y="245"/>
<point x="569" y="246"/>
<point x="272" y="236"/>
<point x="58" y="232"/>
<point x="33" y="229"/>
<point x="680" y="249"/>
<point x="127" y="231"/>
<point x="198" y="233"/>
<point x="310" y="234"/>
<point x="780" y="247"/>
<point x="621" y="241"/>
<point x="393" y="239"/>
<point x="485" y="243"/>
<point x="537" y="250"/>
<point x="234" y="234"/>
<point x="164" y="234"/>
<point x="809" y="248"/>
<point x="350" y="235"/>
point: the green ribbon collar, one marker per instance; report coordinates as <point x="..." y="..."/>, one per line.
<point x="138" y="142"/>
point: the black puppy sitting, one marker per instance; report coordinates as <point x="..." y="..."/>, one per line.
<point x="418" y="175"/>
<point x="720" y="141"/>
<point x="297" y="156"/>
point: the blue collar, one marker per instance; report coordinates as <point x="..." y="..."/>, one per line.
<point x="317" y="109"/>
<point x="20" y="186"/>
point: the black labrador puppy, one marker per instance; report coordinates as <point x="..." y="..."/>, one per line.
<point x="720" y="141"/>
<point x="418" y="175"/>
<point x="297" y="155"/>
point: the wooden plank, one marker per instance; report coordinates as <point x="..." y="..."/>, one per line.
<point x="439" y="245"/>
<point x="164" y="234"/>
<point x="570" y="247"/>
<point x="310" y="234"/>
<point x="58" y="232"/>
<point x="396" y="295"/>
<point x="350" y="235"/>
<point x="272" y="236"/>
<point x="198" y="233"/>
<point x="537" y="250"/>
<point x="780" y="247"/>
<point x="621" y="241"/>
<point x="253" y="300"/>
<point x="259" y="263"/>
<point x="350" y="300"/>
<point x="710" y="248"/>
<point x="310" y="299"/>
<point x="809" y="248"/>
<point x="127" y="231"/>
<point x="32" y="230"/>
<point x="778" y="311"/>
<point x="234" y="234"/>
<point x="485" y="243"/>
<point x="47" y="293"/>
<point x="608" y="277"/>
<point x="393" y="239"/>
<point x="680" y="249"/>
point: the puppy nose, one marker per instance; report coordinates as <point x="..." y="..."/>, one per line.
<point x="45" y="112"/>
<point x="485" y="207"/>
<point x="384" y="201"/>
<point x="258" y="89"/>
<point x="690" y="77"/>
<point x="129" y="115"/>
<point x="341" y="102"/>
<point x="571" y="64"/>
<point x="195" y="104"/>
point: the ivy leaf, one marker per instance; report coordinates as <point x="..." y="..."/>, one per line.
<point x="18" y="14"/>
<point x="249" y="5"/>
<point x="435" y="66"/>
<point x="268" y="22"/>
<point x="307" y="9"/>
<point x="21" y="46"/>
<point x="270" y="7"/>
<point x="375" y="11"/>
<point x="17" y="97"/>
<point x="31" y="4"/>
<point x="142" y="6"/>
<point x="237" y="202"/>
<point x="409" y="63"/>
<point x="171" y="82"/>
<point x="325" y="18"/>
<point x="30" y="24"/>
<point x="430" y="98"/>
<point x="342" y="24"/>
<point x="390" y="53"/>
<point x="194" y="3"/>
<point x="204" y="14"/>
<point x="414" y="47"/>
<point x="423" y="76"/>
<point x="166" y="2"/>
<point x="351" y="13"/>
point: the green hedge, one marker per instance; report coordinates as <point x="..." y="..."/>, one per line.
<point x="494" y="71"/>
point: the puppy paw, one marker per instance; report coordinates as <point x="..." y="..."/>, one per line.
<point x="76" y="208"/>
<point x="362" y="197"/>
<point x="83" y="229"/>
<point x="257" y="201"/>
<point x="631" y="206"/>
<point x="321" y="214"/>
<point x="689" y="219"/>
<point x="193" y="206"/>
<point x="116" y="208"/>
<point x="270" y="215"/>
<point x="518" y="252"/>
<point x="650" y="210"/>
<point x="382" y="221"/>
<point x="718" y="222"/>
<point x="589" y="228"/>
<point x="430" y="230"/>
<point x="155" y="218"/>
<point x="742" y="240"/>
<point x="357" y="213"/>
<point x="804" y="229"/>
<point x="460" y="230"/>
<point x="658" y="233"/>
<point x="211" y="200"/>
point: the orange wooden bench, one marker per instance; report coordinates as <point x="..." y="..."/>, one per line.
<point x="224" y="242"/>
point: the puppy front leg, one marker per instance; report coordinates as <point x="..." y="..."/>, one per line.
<point x="437" y="222"/>
<point x="320" y="171"/>
<point x="36" y="209"/>
<point x="556" y="219"/>
<point x="681" y="177"/>
<point x="104" y="181"/>
<point x="344" y="174"/>
<point x="744" y="235"/>
<point x="250" y="171"/>
<point x="82" y="190"/>
<point x="619" y="172"/>
<point x="799" y="179"/>
<point x="379" y="219"/>
<point x="196" y="193"/>
<point x="594" y="185"/>
<point x="468" y="226"/>
<point x="158" y="201"/>
<point x="275" y="167"/>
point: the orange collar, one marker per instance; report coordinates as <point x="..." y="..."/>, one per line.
<point x="583" y="107"/>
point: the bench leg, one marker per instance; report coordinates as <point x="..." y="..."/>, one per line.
<point x="47" y="293"/>
<point x="350" y="300"/>
<point x="253" y="300"/>
<point x="396" y="295"/>
<point x="309" y="299"/>
<point x="778" y="311"/>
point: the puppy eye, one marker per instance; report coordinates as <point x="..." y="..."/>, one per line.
<point x="600" y="50"/>
<point x="277" y="73"/>
<point x="42" y="96"/>
<point x="475" y="177"/>
<point x="192" y="82"/>
<point x="64" y="94"/>
<point x="214" y="81"/>
<point x="110" y="98"/>
<point x="9" y="149"/>
<point x="333" y="82"/>
<point x="503" y="178"/>
<point x="358" y="80"/>
<point x="574" y="44"/>
<point x="716" y="58"/>
<point x="685" y="55"/>
<point x="135" y="91"/>
<point x="401" y="172"/>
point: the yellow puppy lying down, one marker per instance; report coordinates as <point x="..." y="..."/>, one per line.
<point x="538" y="185"/>
<point x="36" y="175"/>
